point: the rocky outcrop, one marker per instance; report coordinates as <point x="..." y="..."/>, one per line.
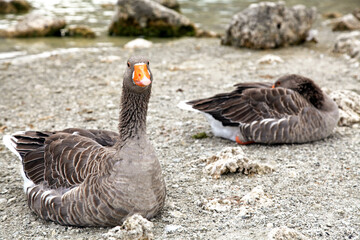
<point x="79" y="31"/>
<point x="346" y="23"/>
<point x="172" y="4"/>
<point x="348" y="43"/>
<point x="269" y="25"/>
<point x="149" y="18"/>
<point x="14" y="6"/>
<point x="34" y="25"/>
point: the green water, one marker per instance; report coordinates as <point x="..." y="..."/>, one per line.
<point x="208" y="14"/>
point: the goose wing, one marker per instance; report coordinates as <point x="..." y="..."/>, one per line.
<point x="63" y="158"/>
<point x="262" y="103"/>
<point x="216" y="104"/>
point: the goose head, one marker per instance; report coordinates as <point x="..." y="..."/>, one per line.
<point x="138" y="76"/>
<point x="305" y="86"/>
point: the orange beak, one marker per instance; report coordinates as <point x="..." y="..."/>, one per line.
<point x="141" y="75"/>
<point x="273" y="86"/>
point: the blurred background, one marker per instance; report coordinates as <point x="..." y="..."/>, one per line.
<point x="212" y="15"/>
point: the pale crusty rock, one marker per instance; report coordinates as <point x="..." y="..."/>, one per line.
<point x="35" y="25"/>
<point x="269" y="25"/>
<point x="285" y="233"/>
<point x="270" y="59"/>
<point x="246" y="206"/>
<point x="234" y="160"/>
<point x="219" y="204"/>
<point x="348" y="43"/>
<point x="134" y="228"/>
<point x="138" y="43"/>
<point x="149" y="18"/>
<point x="349" y="106"/>
<point x="253" y="200"/>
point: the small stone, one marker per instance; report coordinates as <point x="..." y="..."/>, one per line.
<point x="172" y="228"/>
<point x="176" y="214"/>
<point x="285" y="233"/>
<point x="11" y="200"/>
<point x="138" y="43"/>
<point x="270" y="59"/>
<point x="3" y="201"/>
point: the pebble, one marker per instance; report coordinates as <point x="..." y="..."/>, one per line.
<point x="3" y="201"/>
<point x="172" y="228"/>
<point x="138" y="43"/>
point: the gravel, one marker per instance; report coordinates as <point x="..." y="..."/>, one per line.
<point x="314" y="188"/>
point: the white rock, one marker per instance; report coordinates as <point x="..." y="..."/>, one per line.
<point x="270" y="59"/>
<point x="285" y="233"/>
<point x="172" y="228"/>
<point x="138" y="43"/>
<point x="217" y="205"/>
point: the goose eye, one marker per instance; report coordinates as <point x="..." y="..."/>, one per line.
<point x="278" y="83"/>
<point x="128" y="64"/>
<point x="148" y="63"/>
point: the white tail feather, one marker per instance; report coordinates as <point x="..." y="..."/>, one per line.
<point x="10" y="143"/>
<point x="183" y="105"/>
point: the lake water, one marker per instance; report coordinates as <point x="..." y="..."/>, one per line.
<point x="208" y="14"/>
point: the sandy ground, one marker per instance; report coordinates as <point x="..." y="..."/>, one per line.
<point x="314" y="189"/>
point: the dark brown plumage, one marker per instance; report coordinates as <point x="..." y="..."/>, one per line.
<point x="94" y="177"/>
<point x="296" y="110"/>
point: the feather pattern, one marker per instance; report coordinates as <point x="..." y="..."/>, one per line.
<point x="294" y="111"/>
<point x="88" y="177"/>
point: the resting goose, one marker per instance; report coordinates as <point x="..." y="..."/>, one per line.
<point x="293" y="110"/>
<point x="85" y="177"/>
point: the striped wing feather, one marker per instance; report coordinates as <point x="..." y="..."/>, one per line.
<point x="215" y="105"/>
<point x="62" y="158"/>
<point x="251" y="102"/>
<point x="258" y="104"/>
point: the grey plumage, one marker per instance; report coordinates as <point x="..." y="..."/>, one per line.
<point x="94" y="177"/>
<point x="296" y="110"/>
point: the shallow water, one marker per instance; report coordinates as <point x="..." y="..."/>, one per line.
<point x="208" y="14"/>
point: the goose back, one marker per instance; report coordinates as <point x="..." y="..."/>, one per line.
<point x="300" y="113"/>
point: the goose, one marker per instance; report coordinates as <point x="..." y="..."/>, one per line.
<point x="82" y="177"/>
<point x="292" y="110"/>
